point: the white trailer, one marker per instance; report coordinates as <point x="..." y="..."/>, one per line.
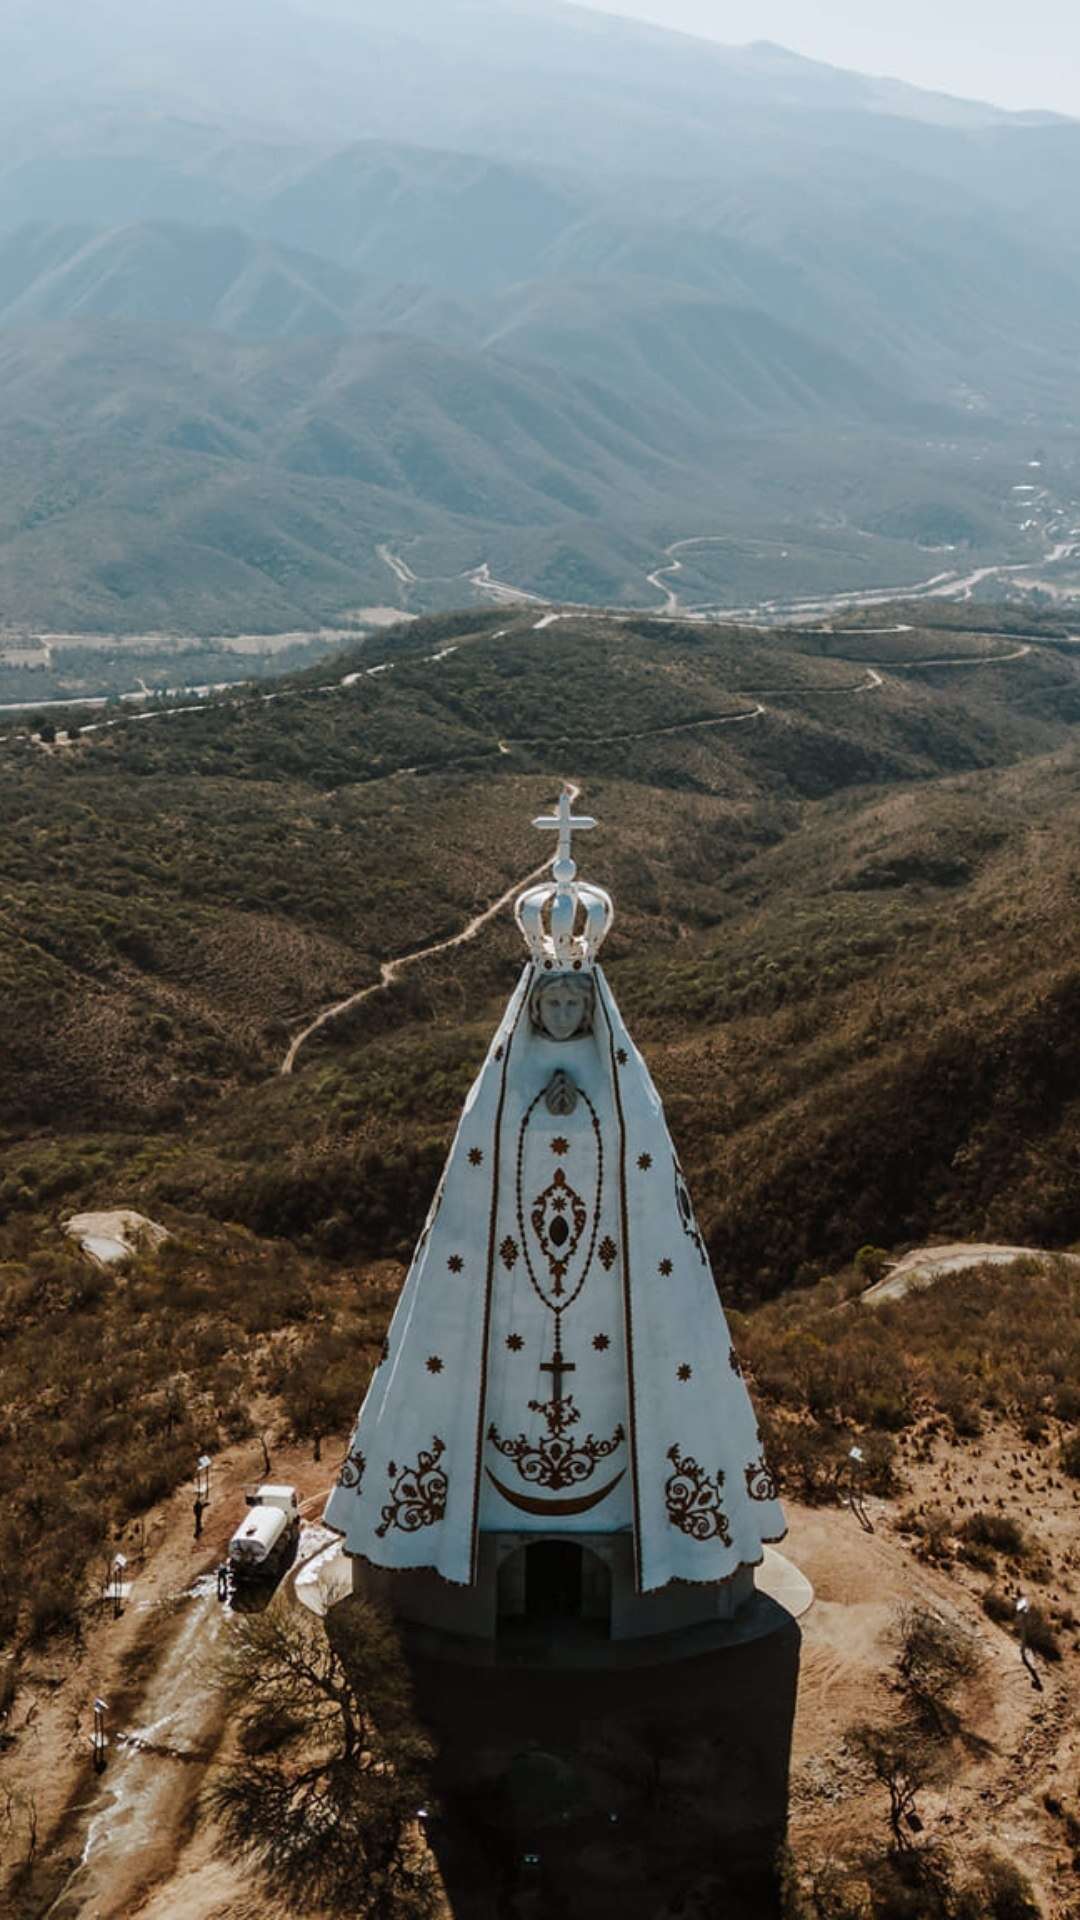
<point x="263" y="1543"/>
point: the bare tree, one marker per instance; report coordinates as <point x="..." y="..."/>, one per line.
<point x="903" y="1761"/>
<point x="934" y="1657"/>
<point x="335" y="1768"/>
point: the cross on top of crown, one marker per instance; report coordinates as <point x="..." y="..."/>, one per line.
<point x="565" y="823"/>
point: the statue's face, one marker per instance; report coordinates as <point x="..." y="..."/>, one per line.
<point x="563" y="1006"/>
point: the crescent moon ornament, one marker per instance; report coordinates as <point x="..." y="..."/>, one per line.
<point x="557" y="1509"/>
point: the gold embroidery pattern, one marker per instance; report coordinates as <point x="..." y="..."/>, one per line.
<point x="555" y="1460"/>
<point x="417" y="1494"/>
<point x="692" y="1497"/>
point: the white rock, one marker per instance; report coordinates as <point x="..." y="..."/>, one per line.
<point x="109" y="1237"/>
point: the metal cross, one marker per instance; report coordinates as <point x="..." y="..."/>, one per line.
<point x="565" y="823"/>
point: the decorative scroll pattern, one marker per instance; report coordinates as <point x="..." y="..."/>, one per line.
<point x="352" y="1471"/>
<point x="556" y="1460"/>
<point x="692" y="1497"/>
<point x="417" y="1494"/>
<point x="761" y="1482"/>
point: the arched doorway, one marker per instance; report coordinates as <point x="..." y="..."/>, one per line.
<point x="549" y="1583"/>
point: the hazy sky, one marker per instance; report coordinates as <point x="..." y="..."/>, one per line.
<point x="1019" y="53"/>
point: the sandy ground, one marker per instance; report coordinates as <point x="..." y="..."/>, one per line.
<point x="131" y="1845"/>
<point x="104" y="1843"/>
<point x="1023" y="1744"/>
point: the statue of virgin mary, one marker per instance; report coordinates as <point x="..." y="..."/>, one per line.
<point x="559" y="1362"/>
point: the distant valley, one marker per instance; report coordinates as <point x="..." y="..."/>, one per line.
<point x="820" y="322"/>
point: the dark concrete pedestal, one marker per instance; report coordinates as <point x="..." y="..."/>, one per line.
<point x="604" y="1780"/>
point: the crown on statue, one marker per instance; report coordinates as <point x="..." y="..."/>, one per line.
<point x="565" y="921"/>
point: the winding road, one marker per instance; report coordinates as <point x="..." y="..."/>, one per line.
<point x="390" y="969"/>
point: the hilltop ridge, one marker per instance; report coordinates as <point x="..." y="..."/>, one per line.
<point x="829" y="907"/>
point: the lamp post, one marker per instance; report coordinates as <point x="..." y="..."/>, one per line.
<point x="857" y="1459"/>
<point x="99" y="1739"/>
<point x="1023" y="1608"/>
<point x="118" y="1566"/>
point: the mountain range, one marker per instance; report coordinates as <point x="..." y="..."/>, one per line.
<point x="514" y="283"/>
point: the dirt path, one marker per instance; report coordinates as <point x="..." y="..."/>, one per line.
<point x="132" y="1844"/>
<point x="1023" y="1744"/>
<point x="106" y="1840"/>
<point x="391" y="969"/>
<point x="923" y="1265"/>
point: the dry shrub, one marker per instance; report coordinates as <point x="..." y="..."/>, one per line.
<point x="935" y="1657"/>
<point x="997" y="1532"/>
<point x="998" y="1607"/>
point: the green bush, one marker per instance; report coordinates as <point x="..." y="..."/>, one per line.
<point x="871" y="1262"/>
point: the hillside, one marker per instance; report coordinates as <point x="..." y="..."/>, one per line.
<point x="844" y="864"/>
<point x="842" y="886"/>
<point x="263" y="322"/>
<point x="187" y="480"/>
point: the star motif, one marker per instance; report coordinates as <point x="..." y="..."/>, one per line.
<point x="455" y="1263"/>
<point x="601" y="1342"/>
<point x="559" y="1145"/>
<point x="434" y="1364"/>
<point x="622" y="1056"/>
<point x="515" y="1342"/>
<point x="476" y="1156"/>
<point x="644" y="1161"/>
<point x="684" y="1372"/>
<point x="666" y="1268"/>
